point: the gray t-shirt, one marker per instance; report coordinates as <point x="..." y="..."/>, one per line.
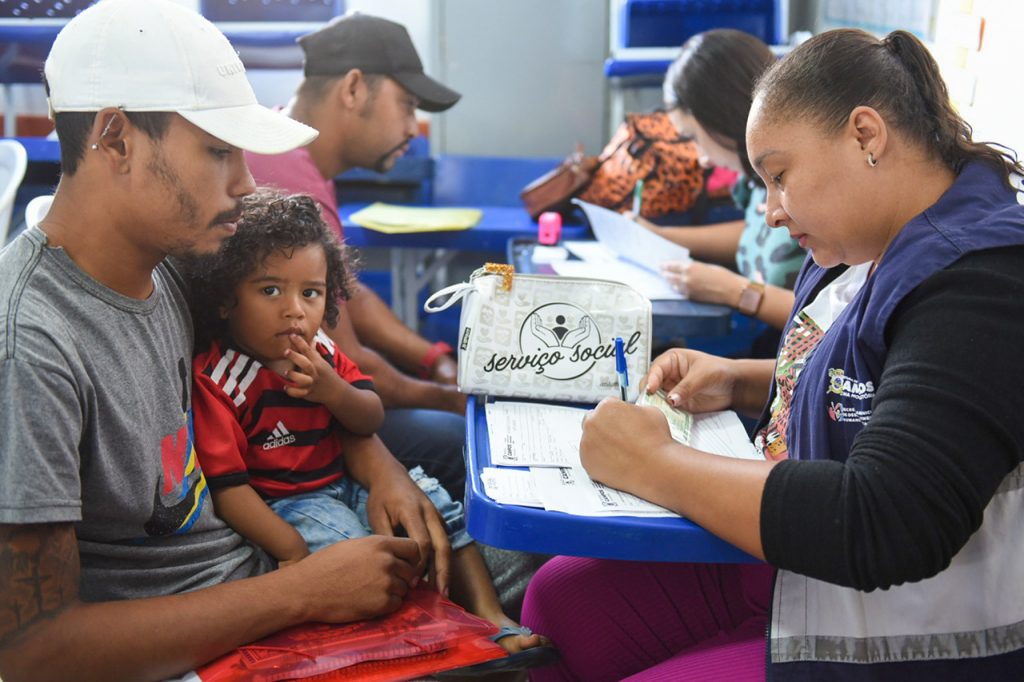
<point x="96" y="421"/>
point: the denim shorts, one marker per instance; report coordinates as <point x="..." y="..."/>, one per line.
<point x="337" y="511"/>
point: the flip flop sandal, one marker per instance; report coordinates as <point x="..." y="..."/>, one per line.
<point x="523" y="660"/>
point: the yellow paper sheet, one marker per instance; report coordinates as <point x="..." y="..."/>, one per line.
<point x="392" y="219"/>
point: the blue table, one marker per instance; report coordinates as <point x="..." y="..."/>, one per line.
<point x="417" y="258"/>
<point x="548" y="532"/>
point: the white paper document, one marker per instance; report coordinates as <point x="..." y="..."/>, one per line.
<point x="651" y="285"/>
<point x="720" y="433"/>
<point x="590" y="251"/>
<point x="572" y="491"/>
<point x="624" y="252"/>
<point x="534" y="434"/>
<point x="510" y="486"/>
<point x="630" y="240"/>
<point x="546" y="438"/>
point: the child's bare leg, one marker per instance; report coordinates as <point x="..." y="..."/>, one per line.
<point x="471" y="588"/>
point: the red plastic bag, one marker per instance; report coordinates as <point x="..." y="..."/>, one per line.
<point x="427" y="634"/>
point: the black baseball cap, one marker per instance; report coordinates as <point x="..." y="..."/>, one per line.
<point x="376" y="46"/>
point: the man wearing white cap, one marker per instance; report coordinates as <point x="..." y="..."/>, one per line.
<point x="112" y="562"/>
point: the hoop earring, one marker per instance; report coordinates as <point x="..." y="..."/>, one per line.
<point x="871" y="160"/>
<point x="106" y="129"/>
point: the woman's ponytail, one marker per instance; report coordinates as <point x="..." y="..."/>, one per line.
<point x="837" y="71"/>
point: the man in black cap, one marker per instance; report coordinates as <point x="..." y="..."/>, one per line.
<point x="363" y="83"/>
<point x="375" y="47"/>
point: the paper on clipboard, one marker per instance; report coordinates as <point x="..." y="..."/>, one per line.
<point x="546" y="437"/>
<point x="631" y="241"/>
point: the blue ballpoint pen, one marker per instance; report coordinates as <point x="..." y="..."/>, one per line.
<point x="620" y="367"/>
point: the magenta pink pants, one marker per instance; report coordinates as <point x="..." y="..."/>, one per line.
<point x="617" y="620"/>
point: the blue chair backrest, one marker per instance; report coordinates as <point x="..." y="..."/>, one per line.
<point x="668" y="23"/>
<point x="485" y="180"/>
<point x="271" y="10"/>
<point x="408" y="182"/>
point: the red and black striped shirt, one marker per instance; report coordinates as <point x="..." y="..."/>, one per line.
<point x="249" y="430"/>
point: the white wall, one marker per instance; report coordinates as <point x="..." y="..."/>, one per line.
<point x="531" y="74"/>
<point x="530" y="87"/>
<point x="995" y="110"/>
<point x="976" y="44"/>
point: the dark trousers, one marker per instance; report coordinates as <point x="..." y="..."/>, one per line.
<point x="431" y="439"/>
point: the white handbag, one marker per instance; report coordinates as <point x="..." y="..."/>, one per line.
<point x="545" y="336"/>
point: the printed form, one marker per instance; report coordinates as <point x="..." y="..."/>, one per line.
<point x="546" y="439"/>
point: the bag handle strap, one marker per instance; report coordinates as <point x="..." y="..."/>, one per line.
<point x="578" y="156"/>
<point x="454" y="292"/>
<point x="611" y="152"/>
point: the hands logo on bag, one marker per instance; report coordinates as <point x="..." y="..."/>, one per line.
<point x="560" y="341"/>
<point x="544" y="336"/>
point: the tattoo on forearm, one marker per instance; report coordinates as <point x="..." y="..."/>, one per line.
<point x="38" y="576"/>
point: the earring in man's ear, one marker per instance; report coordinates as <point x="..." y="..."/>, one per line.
<point x="871" y="160"/>
<point x="106" y="129"/>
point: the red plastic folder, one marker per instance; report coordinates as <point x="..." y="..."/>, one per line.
<point x="427" y="634"/>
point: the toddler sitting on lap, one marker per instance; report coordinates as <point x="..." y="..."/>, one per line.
<point x="285" y="423"/>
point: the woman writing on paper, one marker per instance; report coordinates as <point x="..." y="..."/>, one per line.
<point x="707" y="92"/>
<point x="891" y="499"/>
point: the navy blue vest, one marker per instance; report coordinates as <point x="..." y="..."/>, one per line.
<point x="833" y="395"/>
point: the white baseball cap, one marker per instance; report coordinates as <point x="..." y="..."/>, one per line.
<point x="155" y="55"/>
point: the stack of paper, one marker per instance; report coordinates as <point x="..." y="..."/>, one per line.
<point x="625" y="251"/>
<point x="546" y="438"/>
<point x="392" y="219"/>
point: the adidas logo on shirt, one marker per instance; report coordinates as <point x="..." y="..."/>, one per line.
<point x="278" y="437"/>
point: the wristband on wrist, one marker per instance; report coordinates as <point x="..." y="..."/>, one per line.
<point x="430" y="359"/>
<point x="751" y="298"/>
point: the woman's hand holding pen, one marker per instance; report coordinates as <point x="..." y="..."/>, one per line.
<point x="623" y="443"/>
